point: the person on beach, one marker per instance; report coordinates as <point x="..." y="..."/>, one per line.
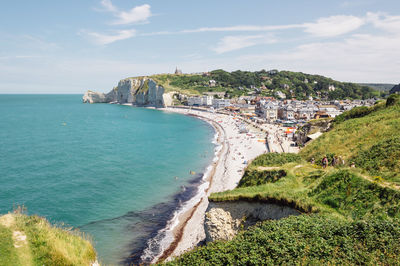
<point x="324" y="162"/>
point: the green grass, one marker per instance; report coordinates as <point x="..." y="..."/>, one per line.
<point x="8" y="253"/>
<point x="369" y="138"/>
<point x="44" y="245"/>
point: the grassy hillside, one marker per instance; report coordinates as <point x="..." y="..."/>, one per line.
<point x="347" y="219"/>
<point x="31" y="240"/>
<point x="350" y="215"/>
<point x="292" y="84"/>
<point x="379" y="86"/>
<point x="370" y="137"/>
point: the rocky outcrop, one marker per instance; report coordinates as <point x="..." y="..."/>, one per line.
<point x="312" y="127"/>
<point x="223" y="220"/>
<point x="136" y="91"/>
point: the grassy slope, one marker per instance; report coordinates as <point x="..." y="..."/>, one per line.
<point x="44" y="244"/>
<point x="372" y="141"/>
<point x="350" y="217"/>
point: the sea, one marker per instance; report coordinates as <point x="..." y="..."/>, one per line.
<point x="117" y="173"/>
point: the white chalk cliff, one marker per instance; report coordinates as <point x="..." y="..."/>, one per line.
<point x="223" y="220"/>
<point x="137" y="91"/>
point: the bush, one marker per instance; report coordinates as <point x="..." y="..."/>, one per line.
<point x="275" y="159"/>
<point x="255" y="178"/>
<point x="393" y="99"/>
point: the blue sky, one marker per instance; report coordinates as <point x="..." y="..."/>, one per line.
<point x="72" y="46"/>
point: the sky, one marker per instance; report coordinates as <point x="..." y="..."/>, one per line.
<point x="71" y="46"/>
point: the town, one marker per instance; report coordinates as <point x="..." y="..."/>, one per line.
<point x="272" y="110"/>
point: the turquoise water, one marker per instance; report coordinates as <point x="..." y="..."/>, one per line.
<point x="108" y="169"/>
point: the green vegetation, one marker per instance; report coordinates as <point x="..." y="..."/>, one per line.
<point x="255" y="177"/>
<point x="350" y="215"/>
<point x="306" y="240"/>
<point x="370" y="137"/>
<point x="31" y="240"/>
<point x="275" y="159"/>
<point x="293" y="84"/>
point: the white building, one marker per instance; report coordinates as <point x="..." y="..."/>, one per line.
<point x="205" y="100"/>
<point x="221" y="103"/>
<point x="269" y="111"/>
<point x="195" y="101"/>
<point x="208" y="100"/>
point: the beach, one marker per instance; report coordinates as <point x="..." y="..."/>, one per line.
<point x="234" y="152"/>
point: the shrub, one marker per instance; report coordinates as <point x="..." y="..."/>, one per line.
<point x="275" y="159"/>
<point x="255" y="178"/>
<point x="393" y="99"/>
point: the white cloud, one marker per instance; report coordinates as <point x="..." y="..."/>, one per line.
<point x="137" y="14"/>
<point x="231" y="43"/>
<point x="384" y="22"/>
<point x="334" y="26"/>
<point x="104" y="39"/>
<point x="358" y="58"/>
<point x="243" y="28"/>
<point x="108" y="6"/>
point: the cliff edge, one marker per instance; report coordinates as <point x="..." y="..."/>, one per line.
<point x="136" y="91"/>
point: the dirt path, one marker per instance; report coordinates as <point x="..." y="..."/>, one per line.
<point x="19" y="239"/>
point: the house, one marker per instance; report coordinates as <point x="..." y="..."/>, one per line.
<point x="221" y="103"/>
<point x="269" y="111"/>
<point x="212" y="83"/>
<point x="331" y="88"/>
<point x="195" y="101"/>
<point x="208" y="100"/>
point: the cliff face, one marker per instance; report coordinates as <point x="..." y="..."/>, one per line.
<point x="223" y="220"/>
<point x="137" y="91"/>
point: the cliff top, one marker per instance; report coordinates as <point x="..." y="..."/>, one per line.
<point x="31" y="240"/>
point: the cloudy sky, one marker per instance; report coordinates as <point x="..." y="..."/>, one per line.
<point x="70" y="46"/>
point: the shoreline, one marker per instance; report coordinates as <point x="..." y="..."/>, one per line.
<point x="233" y="152"/>
<point x="237" y="149"/>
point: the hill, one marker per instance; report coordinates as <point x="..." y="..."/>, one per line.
<point x="266" y="83"/>
<point x="378" y="86"/>
<point x="370" y="137"/>
<point x="31" y="240"/>
<point x="349" y="216"/>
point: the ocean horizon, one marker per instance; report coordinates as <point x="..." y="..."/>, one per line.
<point x="118" y="173"/>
